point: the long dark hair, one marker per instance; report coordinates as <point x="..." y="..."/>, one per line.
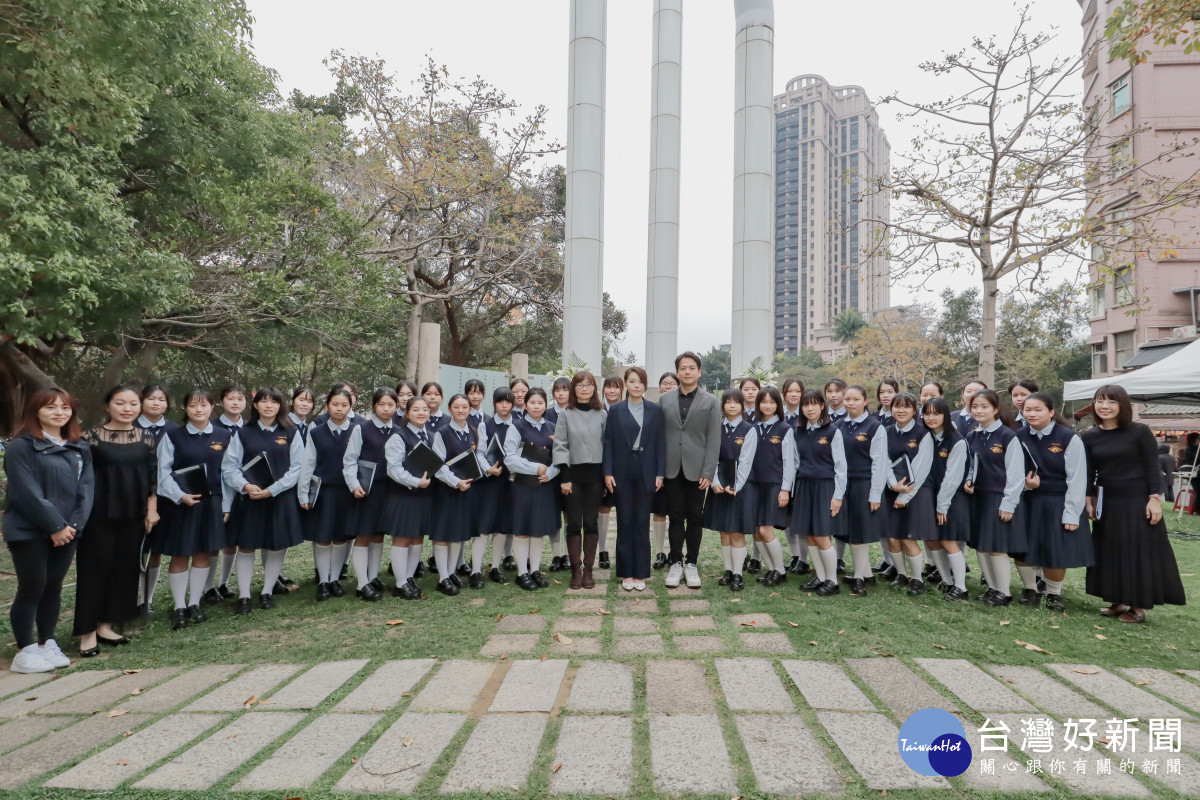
<point x="1048" y="402"/>
<point x="270" y="393"/>
<point x="116" y="390"/>
<point x="938" y="405"/>
<point x="993" y="400"/>
<point x="1111" y="391"/>
<point x="580" y="377"/>
<point x="773" y="393"/>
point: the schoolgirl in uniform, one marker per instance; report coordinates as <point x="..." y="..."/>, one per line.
<point x="494" y="493"/>
<point x="997" y="518"/>
<point x="750" y="387"/>
<point x="658" y="517"/>
<point x="730" y="510"/>
<point x="264" y="518"/>
<point x="793" y="391"/>
<point x="520" y="388"/>
<point x="865" y="442"/>
<point x="327" y="519"/>
<point x="929" y="391"/>
<point x="474" y="390"/>
<point x="820" y="490"/>
<point x="952" y="504"/>
<point x="910" y="517"/>
<point x="367" y="443"/>
<point x="408" y="510"/>
<point x="455" y="508"/>
<point x="193" y="525"/>
<point x="303" y="404"/>
<point x="156" y="402"/>
<point x="561" y="393"/>
<point x="963" y="419"/>
<point x="887" y="389"/>
<point x="534" y="490"/>
<point x="433" y="394"/>
<point x="835" y="394"/>
<point x="1055" y="499"/>
<point x="233" y="403"/>
<point x="772" y="475"/>
<point x="405" y="390"/>
<point x="614" y="390"/>
<point x="1018" y="391"/>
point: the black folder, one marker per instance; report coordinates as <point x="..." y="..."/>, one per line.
<point x="973" y="469"/>
<point x="192" y="480"/>
<point x="465" y="466"/>
<point x="536" y="453"/>
<point x="314" y="491"/>
<point x="1031" y="464"/>
<point x="422" y="460"/>
<point x="366" y="474"/>
<point x="902" y="471"/>
<point x="257" y="471"/>
<point x="727" y="473"/>
<point x="495" y="451"/>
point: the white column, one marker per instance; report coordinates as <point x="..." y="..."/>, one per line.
<point x="583" y="302"/>
<point x="753" y="185"/>
<point x="429" y="353"/>
<point x="662" y="251"/>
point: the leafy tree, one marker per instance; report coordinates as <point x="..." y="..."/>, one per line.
<point x="847" y="324"/>
<point x="716" y="367"/>
<point x="898" y="345"/>
<point x="1043" y="337"/>
<point x="1164" y="22"/>
<point x="957" y="331"/>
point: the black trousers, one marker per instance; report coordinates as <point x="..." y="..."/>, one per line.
<point x="685" y="509"/>
<point x="109" y="569"/>
<point x="40" y="568"/>
<point x="634" y="505"/>
<point x="582" y="505"/>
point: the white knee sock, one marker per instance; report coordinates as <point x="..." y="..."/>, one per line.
<point x="227" y="562"/>
<point x="797" y="545"/>
<point x="362" y="565"/>
<point x="456" y="554"/>
<point x="829" y="561"/>
<point x="272" y="567"/>
<point x="213" y="570"/>
<point x="478" y="549"/>
<point x="1028" y="576"/>
<point x="897" y="561"/>
<point x="889" y="558"/>
<point x="399" y="563"/>
<point x="508" y="545"/>
<point x="985" y="567"/>
<point x="245" y="572"/>
<point x="150" y="585"/>
<point x="374" y="559"/>
<point x="1053" y="587"/>
<point x="602" y="525"/>
<point x="179" y="585"/>
<point x="727" y="557"/>
<point x="754" y="550"/>
<point x="499" y="544"/>
<point x="861" y="553"/>
<point x="521" y="553"/>
<point x="341" y="556"/>
<point x="196" y="577"/>
<point x="660" y="534"/>
<point x="958" y="569"/>
<point x="814" y="557"/>
<point x="556" y="544"/>
<point x="916" y="566"/>
<point x="414" y="558"/>
<point x="737" y="555"/>
<point x="323" y="559"/>
<point x="774" y="552"/>
<point x="938" y="557"/>
<point x="1002" y="570"/>
<point x="441" y="557"/>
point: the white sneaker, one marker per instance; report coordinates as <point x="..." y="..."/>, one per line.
<point x="54" y="654"/>
<point x="674" y="575"/>
<point x="639" y="585"/>
<point x="30" y="659"/>
<point x="693" y="576"/>
<point x="627" y="585"/>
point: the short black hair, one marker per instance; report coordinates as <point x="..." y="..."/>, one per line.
<point x="688" y="354"/>
<point x="503" y="394"/>
<point x="473" y="383"/>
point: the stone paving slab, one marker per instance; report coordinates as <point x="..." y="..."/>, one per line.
<point x="869" y="743"/>
<point x="521" y="623"/>
<point x="384" y="687"/>
<point x="140" y="751"/>
<point x="753" y="620"/>
<point x="635" y="625"/>
<point x="1009" y="775"/>
<point x="637" y="607"/>
<point x="44" y="694"/>
<point x="696" y="645"/>
<point x="687" y="754"/>
<point x="1187" y="782"/>
<point x="577" y="646"/>
<point x="596" y="754"/>
<point x="222" y="753"/>
<point x="767" y="642"/>
<point x="691" y="623"/>
<point x="639" y="645"/>
<point x="602" y="686"/>
<point x="1167" y="684"/>
<point x="648" y="593"/>
<point x="391" y="768"/>
<point x="37" y="758"/>
<point x="750" y="684"/>
<point x="25" y="729"/>
<point x="530" y="686"/>
<point x="689" y="604"/>
<point x="498" y="755"/>
<point x="455" y="687"/>
<point x="13" y="682"/>
<point x="785" y="756"/>
<point x="1116" y="692"/>
<point x="898" y="686"/>
<point x="678" y="687"/>
<point x="183" y="687"/>
<point x="681" y="591"/>
<point x="309" y="754"/>
<point x="578" y="624"/>
<point x="500" y="643"/>
<point x="257" y="682"/>
<point x="583" y="605"/>
<point x="1194" y="674"/>
<point x="973" y="686"/>
<point x="311" y="688"/>
<point x="599" y="590"/>
<point x="109" y="693"/>
<point x="1048" y="694"/>
<point x="826" y="687"/>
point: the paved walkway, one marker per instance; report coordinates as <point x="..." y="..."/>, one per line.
<point x="759" y="720"/>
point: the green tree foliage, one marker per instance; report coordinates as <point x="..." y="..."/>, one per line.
<point x="847" y="324"/>
<point x="1163" y="22"/>
<point x="715" y="370"/>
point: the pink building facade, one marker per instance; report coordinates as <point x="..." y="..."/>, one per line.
<point x="1149" y="293"/>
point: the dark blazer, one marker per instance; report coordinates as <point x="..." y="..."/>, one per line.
<point x="621" y="431"/>
<point x="50" y="486"/>
<point x="693" y="447"/>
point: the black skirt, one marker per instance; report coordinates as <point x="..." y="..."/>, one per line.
<point x="535" y="509"/>
<point x="332" y="518"/>
<point x="155" y="540"/>
<point x="455" y="514"/>
<point x="861" y="525"/>
<point x="958" y="519"/>
<point x="108" y="571"/>
<point x="659" y="509"/>
<point x="917" y="520"/>
<point x="270" y="524"/>
<point x="408" y="513"/>
<point x="1135" y="564"/>
<point x="810" y="509"/>
<point x="493" y="496"/>
<point x="188" y="530"/>
<point x="766" y="507"/>
<point x="726" y="514"/>
<point x="989" y="534"/>
<point x="366" y="513"/>
<point x="1050" y="544"/>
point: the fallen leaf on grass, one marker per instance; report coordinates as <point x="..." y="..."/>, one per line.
<point x="543" y="657"/>
<point x="124" y="762"/>
<point x="1097" y="627"/>
<point x="603" y="613"/>
<point x="1009" y="680"/>
<point x="843" y="630"/>
<point x="395" y="622"/>
<point x="249" y="701"/>
<point x="353" y="760"/>
<point x="30" y="699"/>
<point x="1173" y="647"/>
<point x="232" y="736"/>
<point x="132" y="671"/>
<point x="793" y="624"/>
<point x="813" y="643"/>
<point x="407" y="741"/>
<point x="1033" y="647"/>
<point x="557" y="766"/>
<point x="749" y="624"/>
<point x="562" y="638"/>
<point x="535" y="610"/>
<point x="1006" y="622"/>
<point x="1101" y="637"/>
<point x="116" y="712"/>
<point x="406" y="694"/>
<point x="499" y="617"/>
<point x="773" y="594"/>
<point x="1087" y="671"/>
<point x="1055" y="627"/>
<point x="136" y="691"/>
<point x="736" y="600"/>
<point x="940" y="646"/>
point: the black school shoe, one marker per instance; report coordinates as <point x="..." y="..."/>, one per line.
<point x="791" y="565"/>
<point x="212" y="597"/>
<point x="344" y="573"/>
<point x="858" y="587"/>
<point x="377" y="584"/>
<point x="265" y="602"/>
<point x="287" y="581"/>
<point x="454" y="579"/>
<point x="463" y="570"/>
<point x="539" y="579"/>
<point x="753" y="567"/>
<point x="660" y="561"/>
<point x="737" y="583"/>
<point x="888" y="573"/>
<point x="243" y="606"/>
<point x="527" y="583"/>
<point x="509" y="564"/>
<point x="225" y="592"/>
<point x="955" y="593"/>
<point x="803" y="568"/>
<point x="419" y="572"/>
<point x="725" y="579"/>
<point x="915" y="587"/>
<point x="998" y="599"/>
<point x="476" y="580"/>
<point x="1054" y="602"/>
<point x="280" y="587"/>
<point x="1041" y="586"/>
<point x="827" y="588"/>
<point x="934" y="577"/>
<point x="556" y="564"/>
<point x="812" y="585"/>
<point x="447" y="587"/>
<point x="323" y="592"/>
<point x="986" y="596"/>
<point x="144" y="610"/>
<point x="432" y="562"/>
<point x="196" y="615"/>
<point x="881" y="566"/>
<point x="407" y="591"/>
<point x="1030" y="597"/>
<point x="604" y="562"/>
<point x="495" y="575"/>
<point x="899" y="582"/>
<point x="336" y="589"/>
<point x="179" y="620"/>
<point x="368" y="593"/>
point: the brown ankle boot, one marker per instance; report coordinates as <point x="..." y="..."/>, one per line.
<point x="590" y="542"/>
<point x="574" y="548"/>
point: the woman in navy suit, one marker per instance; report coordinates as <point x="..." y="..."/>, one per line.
<point x="635" y="460"/>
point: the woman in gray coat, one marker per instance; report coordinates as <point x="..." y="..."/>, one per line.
<point x="579" y="453"/>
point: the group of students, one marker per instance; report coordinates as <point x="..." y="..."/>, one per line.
<point x="264" y="474"/>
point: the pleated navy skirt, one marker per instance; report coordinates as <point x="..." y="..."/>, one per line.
<point x="408" y="513"/>
<point x="726" y="514"/>
<point x="493" y="496"/>
<point x="332" y="519"/>
<point x="810" y="509"/>
<point x="989" y="534"/>
<point x="1050" y="544"/>
<point x="861" y="525"/>
<point x="917" y="520"/>
<point x="1135" y="564"/>
<point x="767" y="510"/>
<point x="188" y="530"/>
<point x="958" y="519"/>
<point x="270" y="524"/>
<point x="455" y="514"/>
<point x="536" y="509"/>
<point x="367" y="513"/>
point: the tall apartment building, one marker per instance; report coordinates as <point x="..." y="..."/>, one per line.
<point x="827" y="143"/>
<point x="1142" y="301"/>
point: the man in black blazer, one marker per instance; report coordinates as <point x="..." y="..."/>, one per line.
<point x="692" y="419"/>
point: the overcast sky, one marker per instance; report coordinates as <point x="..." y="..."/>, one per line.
<point x="521" y="47"/>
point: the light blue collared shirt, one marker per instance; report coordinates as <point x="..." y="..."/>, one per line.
<point x="518" y="464"/>
<point x="838" y="447"/>
<point x="1075" y="460"/>
<point x="309" y="462"/>
<point x="956" y="471"/>
<point x="1014" y="470"/>
<point x="231" y="464"/>
<point x="145" y="422"/>
<point x="394" y="452"/>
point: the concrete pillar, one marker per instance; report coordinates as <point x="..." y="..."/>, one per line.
<point x="662" y="251"/>
<point x="583" y="302"/>
<point x="520" y="366"/>
<point x="429" y="353"/>
<point x="753" y="185"/>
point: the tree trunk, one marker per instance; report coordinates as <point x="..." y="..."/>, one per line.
<point x="416" y="307"/>
<point x="987" y="339"/>
<point x="19" y="377"/>
<point x="147" y="361"/>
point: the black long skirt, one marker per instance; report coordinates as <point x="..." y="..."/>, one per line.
<point x="332" y="519"/>
<point x="990" y="534"/>
<point x="155" y="540"/>
<point x="1135" y="564"/>
<point x="810" y="509"/>
<point x="535" y="509"/>
<point x="1050" y="544"/>
<point x="957" y="527"/>
<point x="109" y="569"/>
<point x="917" y="520"/>
<point x="726" y="514"/>
<point x="270" y="524"/>
<point x="767" y="510"/>
<point x="455" y="514"/>
<point x="188" y="530"/>
<point x="408" y="513"/>
<point x="493" y="496"/>
<point x="861" y="525"/>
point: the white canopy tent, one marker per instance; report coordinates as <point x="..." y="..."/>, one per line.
<point x="1175" y="379"/>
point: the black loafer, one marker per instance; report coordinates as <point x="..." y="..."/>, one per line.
<point x="1041" y="586"/>
<point x="955" y="593"/>
<point x="90" y="652"/>
<point x="368" y="593"/>
<point x="463" y="570"/>
<point x="265" y="602"/>
<point x="1030" y="597"/>
<point x="243" y="606"/>
<point x="287" y="581"/>
<point x="1054" y="602"/>
<point x="120" y="640"/>
<point x="888" y="573"/>
<point x="725" y="579"/>
<point x="509" y="564"/>
<point x="447" y="587"/>
<point x="803" y="568"/>
<point x="196" y="615"/>
<point x="432" y="562"/>
<point x="476" y="580"/>
<point x="793" y="563"/>
<point x="1000" y="599"/>
<point x="660" y="561"/>
<point x="539" y="579"/>
<point x="780" y="577"/>
<point x="934" y="577"/>
<point x="527" y="583"/>
<point x="858" y="587"/>
<point x="738" y="583"/>
<point x="881" y="566"/>
<point x="336" y="589"/>
<point x="405" y="591"/>
<point x="225" y="592"/>
<point x="900" y="582"/>
<point x="377" y="584"/>
<point x="755" y="566"/>
<point x="556" y="564"/>
<point x="915" y="587"/>
<point x="212" y="597"/>
<point x="987" y="595"/>
<point x="345" y="573"/>
<point x="419" y="572"/>
<point x="812" y="585"/>
<point x="566" y="562"/>
<point x="280" y="587"/>
<point x="928" y="568"/>
<point x="323" y="592"/>
<point x="495" y="575"/>
<point x="454" y="579"/>
<point x="841" y="566"/>
<point x="827" y="588"/>
<point x="604" y="562"/>
<point x="179" y="621"/>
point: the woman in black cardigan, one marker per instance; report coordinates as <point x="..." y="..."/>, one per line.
<point x="49" y="499"/>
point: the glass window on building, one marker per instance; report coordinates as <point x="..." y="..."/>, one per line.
<point x="1121" y="157"/>
<point x="1123" y="286"/>
<point x="1123" y="349"/>
<point x="1096" y="296"/>
<point x="1099" y="358"/>
<point x="1119" y="91"/>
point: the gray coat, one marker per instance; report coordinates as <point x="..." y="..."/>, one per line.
<point x="692" y="447"/>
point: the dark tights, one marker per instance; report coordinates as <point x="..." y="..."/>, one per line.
<point x="40" y="568"/>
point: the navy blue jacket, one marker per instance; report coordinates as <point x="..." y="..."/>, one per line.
<point x="49" y="487"/>
<point x="620" y="432"/>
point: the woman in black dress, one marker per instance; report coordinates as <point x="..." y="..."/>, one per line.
<point x="124" y="510"/>
<point x="1135" y="567"/>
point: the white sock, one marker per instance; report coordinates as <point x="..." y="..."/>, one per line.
<point x="362" y="565"/>
<point x="179" y="586"/>
<point x="985" y="566"/>
<point x="341" y="556"/>
<point x="196" y="577"/>
<point x="323" y="558"/>
<point x="887" y="556"/>
<point x="374" y="559"/>
<point x="521" y="553"/>
<point x="556" y="544"/>
<point x="345" y="559"/>
<point x="214" y="567"/>
<point x="660" y="534"/>
<point x="245" y="573"/>
<point x="441" y="557"/>
<point x="814" y="557"/>
<point x="829" y="561"/>
<point x="840" y="547"/>
<point x="939" y="560"/>
<point x="916" y="566"/>
<point x="1028" y="576"/>
<point x="861" y="553"/>
<point x="272" y="568"/>
<point x="775" y="552"/>
<point x="958" y="569"/>
<point x="754" y="550"/>
<point x="738" y="556"/>
<point x="227" y="562"/>
<point x="727" y="557"/>
<point x="1041" y="574"/>
<point x="399" y="563"/>
<point x="1053" y="587"/>
<point x="602" y="524"/>
<point x="150" y="585"/>
<point x="897" y="561"/>
<point x="1002" y="570"/>
<point x="478" y="549"/>
<point x="797" y="545"/>
<point x="414" y="559"/>
<point x="499" y="544"/>
<point x="456" y="554"/>
<point x="508" y="545"/>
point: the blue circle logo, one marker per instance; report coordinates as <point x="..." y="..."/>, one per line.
<point x="933" y="742"/>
